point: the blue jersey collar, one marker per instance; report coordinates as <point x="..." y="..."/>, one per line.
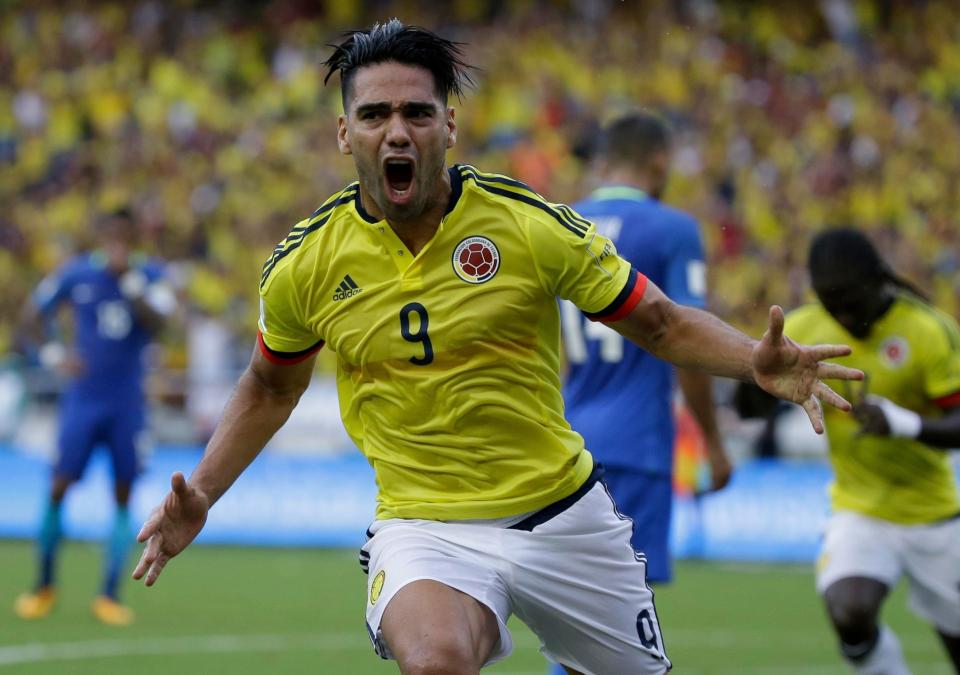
<point x="619" y="192"/>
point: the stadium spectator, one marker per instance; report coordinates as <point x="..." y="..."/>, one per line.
<point x="894" y="497"/>
<point x="436" y="287"/>
<point x="609" y="380"/>
<point x="119" y="302"/>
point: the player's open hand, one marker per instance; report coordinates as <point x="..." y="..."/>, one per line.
<point x="170" y="528"/>
<point x="796" y="372"/>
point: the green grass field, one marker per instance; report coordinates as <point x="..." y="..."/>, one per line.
<point x="240" y="611"/>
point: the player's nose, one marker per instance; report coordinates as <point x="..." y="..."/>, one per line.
<point x="398" y="133"/>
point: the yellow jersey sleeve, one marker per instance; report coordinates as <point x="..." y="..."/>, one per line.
<point x="284" y="335"/>
<point x="796" y="323"/>
<point x="577" y="263"/>
<point x="940" y="362"/>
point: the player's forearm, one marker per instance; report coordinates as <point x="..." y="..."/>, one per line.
<point x="697" y="388"/>
<point x="152" y="320"/>
<point x="689" y="338"/>
<point x="942" y="432"/>
<point x="30" y="326"/>
<point x="252" y="416"/>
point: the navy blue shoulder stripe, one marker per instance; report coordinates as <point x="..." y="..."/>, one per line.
<point x="336" y="202"/>
<point x="296" y="239"/>
<point x="532" y="201"/>
<point x="573" y="215"/>
<point x="492" y="178"/>
<point x="565" y="212"/>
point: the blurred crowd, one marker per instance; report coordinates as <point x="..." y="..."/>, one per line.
<point x="211" y="121"/>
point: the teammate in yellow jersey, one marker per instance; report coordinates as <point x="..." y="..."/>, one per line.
<point x="895" y="496"/>
<point x="436" y="287"/>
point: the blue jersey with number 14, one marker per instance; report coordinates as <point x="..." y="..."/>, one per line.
<point x="618" y="397"/>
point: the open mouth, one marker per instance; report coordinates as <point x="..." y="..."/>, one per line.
<point x="399" y="174"/>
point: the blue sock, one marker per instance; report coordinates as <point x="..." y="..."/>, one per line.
<point x="48" y="542"/>
<point x="115" y="551"/>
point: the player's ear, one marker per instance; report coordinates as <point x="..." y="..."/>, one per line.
<point x="451" y="128"/>
<point x="343" y="138"/>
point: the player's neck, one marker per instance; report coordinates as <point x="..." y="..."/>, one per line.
<point x="416" y="231"/>
<point x="628" y="177"/>
<point x="415" y="234"/>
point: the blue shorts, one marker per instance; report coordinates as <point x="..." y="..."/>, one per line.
<point x="84" y="425"/>
<point x="647" y="499"/>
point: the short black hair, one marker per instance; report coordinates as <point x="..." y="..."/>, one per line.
<point x="122" y="214"/>
<point x="409" y="45"/>
<point x="846" y="253"/>
<point x="635" y="137"/>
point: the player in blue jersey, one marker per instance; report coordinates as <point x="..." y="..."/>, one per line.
<point x="119" y="300"/>
<point x="618" y="396"/>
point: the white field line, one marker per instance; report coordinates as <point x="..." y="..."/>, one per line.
<point x="11" y="655"/>
<point x="95" y="649"/>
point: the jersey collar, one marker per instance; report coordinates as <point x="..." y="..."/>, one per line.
<point x="619" y="192"/>
<point x="456" y="189"/>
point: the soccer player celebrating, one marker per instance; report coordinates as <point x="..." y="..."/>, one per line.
<point x="436" y="287"/>
<point x="119" y="301"/>
<point x="895" y="496"/>
<point x="610" y="379"/>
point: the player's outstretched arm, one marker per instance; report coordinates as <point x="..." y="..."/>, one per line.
<point x="171" y="527"/>
<point x="692" y="338"/>
<point x="262" y="401"/>
<point x="881" y="417"/>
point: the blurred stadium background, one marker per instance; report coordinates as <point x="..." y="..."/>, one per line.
<point x="211" y="121"/>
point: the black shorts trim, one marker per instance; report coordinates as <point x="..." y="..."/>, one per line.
<point x="558" y="507"/>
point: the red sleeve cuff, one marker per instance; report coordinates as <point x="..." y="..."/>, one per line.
<point x="626" y="300"/>
<point x="948" y="401"/>
<point x="286" y="358"/>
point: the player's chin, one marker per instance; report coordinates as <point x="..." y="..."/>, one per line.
<point x="399" y="205"/>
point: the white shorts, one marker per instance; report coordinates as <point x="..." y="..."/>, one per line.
<point x="573" y="579"/>
<point x="929" y="555"/>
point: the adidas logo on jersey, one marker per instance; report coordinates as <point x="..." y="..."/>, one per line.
<point x="347" y="289"/>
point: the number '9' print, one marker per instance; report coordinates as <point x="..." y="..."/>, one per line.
<point x="420" y="335"/>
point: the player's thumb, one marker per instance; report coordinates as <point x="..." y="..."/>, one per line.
<point x="775" y="324"/>
<point x="178" y="484"/>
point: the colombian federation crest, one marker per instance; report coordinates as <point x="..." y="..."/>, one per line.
<point x="476" y="260"/>
<point x="894" y="351"/>
<point x="376" y="587"/>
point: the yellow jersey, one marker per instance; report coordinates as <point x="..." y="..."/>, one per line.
<point x="912" y="357"/>
<point x="448" y="361"/>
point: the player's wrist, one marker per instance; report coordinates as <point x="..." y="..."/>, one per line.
<point x="903" y="423"/>
<point x="133" y="284"/>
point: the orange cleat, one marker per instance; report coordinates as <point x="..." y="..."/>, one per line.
<point x="111" y="612"/>
<point x="36" y="605"/>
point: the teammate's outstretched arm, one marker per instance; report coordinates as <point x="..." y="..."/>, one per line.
<point x="693" y="338"/>
<point x="882" y="417"/>
<point x="262" y="401"/>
